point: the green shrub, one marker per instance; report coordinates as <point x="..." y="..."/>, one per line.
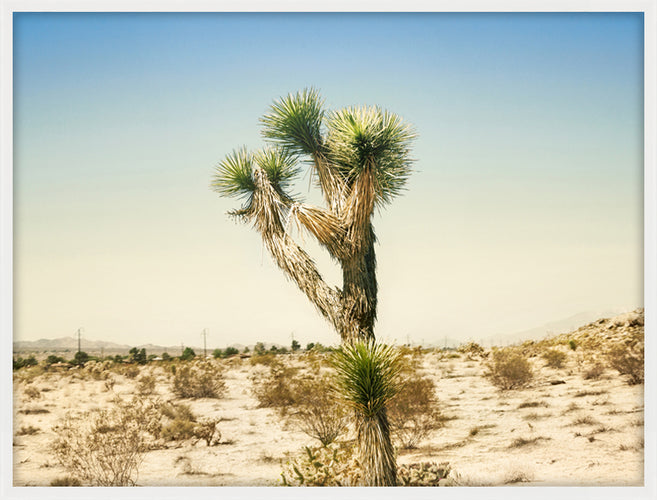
<point x="199" y="380"/>
<point x="554" y="358"/>
<point x="137" y="356"/>
<point x="80" y="358"/>
<point x="509" y="369"/>
<point x="230" y="351"/>
<point x="187" y="354"/>
<point x="21" y="363"/>
<point x="52" y="359"/>
<point x="572" y="344"/>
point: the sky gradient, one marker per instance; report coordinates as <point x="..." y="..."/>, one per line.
<point x="526" y="204"/>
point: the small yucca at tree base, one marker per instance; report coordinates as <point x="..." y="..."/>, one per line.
<point x="367" y="378"/>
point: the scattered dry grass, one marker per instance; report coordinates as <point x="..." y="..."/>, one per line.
<point x="521" y="441"/>
<point x="584" y="421"/>
<point x="28" y="431"/>
<point x="588" y="392"/>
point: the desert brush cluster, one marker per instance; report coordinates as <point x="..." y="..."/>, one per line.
<point x="466" y="416"/>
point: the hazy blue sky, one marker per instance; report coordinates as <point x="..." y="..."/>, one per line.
<point x="525" y="206"/>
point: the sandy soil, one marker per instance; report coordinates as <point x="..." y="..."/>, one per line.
<point x="576" y="433"/>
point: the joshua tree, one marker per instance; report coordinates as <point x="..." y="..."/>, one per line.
<point x="360" y="159"/>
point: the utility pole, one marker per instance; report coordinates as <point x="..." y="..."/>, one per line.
<point x="205" y="336"/>
<point x="79" y="335"/>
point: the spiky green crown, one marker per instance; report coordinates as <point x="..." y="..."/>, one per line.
<point x="356" y="139"/>
<point x="367" y="375"/>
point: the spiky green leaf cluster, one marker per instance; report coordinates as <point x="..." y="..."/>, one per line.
<point x="281" y="167"/>
<point x="234" y="175"/>
<point x="368" y="137"/>
<point x="367" y="375"/>
<point x="295" y="121"/>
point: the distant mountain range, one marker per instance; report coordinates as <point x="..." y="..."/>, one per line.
<point x="95" y="346"/>
<point x="555" y="327"/>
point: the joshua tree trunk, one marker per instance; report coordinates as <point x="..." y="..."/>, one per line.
<point x="376" y="452"/>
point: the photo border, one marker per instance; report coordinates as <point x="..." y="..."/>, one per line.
<point x="648" y="7"/>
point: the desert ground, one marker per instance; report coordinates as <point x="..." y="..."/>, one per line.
<point x="579" y="424"/>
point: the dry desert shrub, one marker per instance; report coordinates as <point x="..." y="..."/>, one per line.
<point x="65" y="481"/>
<point x="32" y="392"/>
<point x="554" y="358"/>
<point x="586" y="420"/>
<point x="98" y="370"/>
<point x="317" y="411"/>
<point x="273" y="388"/>
<point x="108" y="385"/>
<point x="518" y="475"/>
<point x="146" y="385"/>
<point x="593" y="371"/>
<point x="33" y="410"/>
<point x="104" y="448"/>
<point x="203" y="379"/>
<point x="509" y="369"/>
<point x="306" y="401"/>
<point x="521" y="441"/>
<point x="263" y="359"/>
<point x="628" y="360"/>
<point x="183" y="424"/>
<point x="413" y="413"/>
<point x="532" y="404"/>
<point x="472" y="349"/>
<point x="130" y="371"/>
<point x="28" y="430"/>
